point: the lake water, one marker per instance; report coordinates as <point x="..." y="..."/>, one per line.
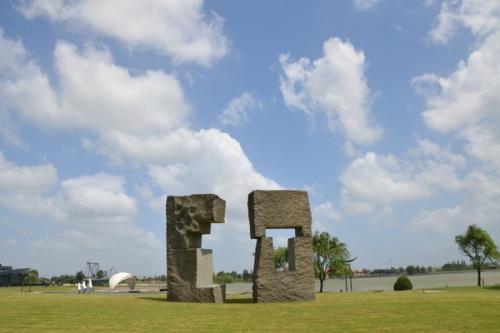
<point x="426" y="281"/>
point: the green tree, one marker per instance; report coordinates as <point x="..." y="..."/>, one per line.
<point x="246" y="275"/>
<point x="410" y="270"/>
<point x="478" y="245"/>
<point x="281" y="258"/>
<point x="330" y="256"/>
<point x="79" y="276"/>
<point x="100" y="274"/>
<point x="32" y="278"/>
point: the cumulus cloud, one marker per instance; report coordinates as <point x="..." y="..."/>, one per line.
<point x="98" y="219"/>
<point x="365" y="4"/>
<point x="25" y="179"/>
<point x="333" y="86"/>
<point x="324" y="215"/>
<point x="218" y="166"/>
<point x="381" y="180"/>
<point x="480" y="17"/>
<point x="481" y="205"/>
<point x="95" y="218"/>
<point x="180" y="30"/>
<point x="466" y="102"/>
<point x="236" y="112"/>
<point x="93" y="92"/>
<point x="140" y="119"/>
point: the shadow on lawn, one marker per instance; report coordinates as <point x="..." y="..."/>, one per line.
<point x="495" y="287"/>
<point x="239" y="300"/>
<point x="157" y="299"/>
<point x="228" y="301"/>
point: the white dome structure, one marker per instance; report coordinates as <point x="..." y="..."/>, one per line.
<point x="122" y="277"/>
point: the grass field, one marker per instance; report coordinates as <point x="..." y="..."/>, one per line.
<point x="446" y="310"/>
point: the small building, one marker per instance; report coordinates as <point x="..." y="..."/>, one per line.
<point x="10" y="276"/>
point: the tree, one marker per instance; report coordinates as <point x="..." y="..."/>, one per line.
<point x="79" y="276"/>
<point x="246" y="275"/>
<point x="281" y="258"/>
<point x="100" y="274"/>
<point x="478" y="245"/>
<point x="32" y="278"/>
<point x="330" y="256"/>
<point x="410" y="270"/>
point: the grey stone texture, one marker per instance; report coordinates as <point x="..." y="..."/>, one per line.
<point x="189" y="267"/>
<point x="282" y="210"/>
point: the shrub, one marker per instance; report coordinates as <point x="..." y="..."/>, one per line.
<point x="403" y="283"/>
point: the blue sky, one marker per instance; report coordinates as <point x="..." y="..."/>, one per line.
<point x="386" y="112"/>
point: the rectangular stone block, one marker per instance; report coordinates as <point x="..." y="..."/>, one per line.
<point x="189" y="267"/>
<point x="190" y="277"/>
<point x="279" y="210"/>
<point x="296" y="284"/>
<point x="190" y="217"/>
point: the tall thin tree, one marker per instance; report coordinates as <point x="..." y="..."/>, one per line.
<point x="478" y="245"/>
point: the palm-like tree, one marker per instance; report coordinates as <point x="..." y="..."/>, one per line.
<point x="331" y="256"/>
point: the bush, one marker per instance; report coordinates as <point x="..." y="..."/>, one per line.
<point x="403" y="283"/>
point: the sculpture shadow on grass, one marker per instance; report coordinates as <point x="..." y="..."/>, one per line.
<point x="158" y="299"/>
<point x="239" y="300"/>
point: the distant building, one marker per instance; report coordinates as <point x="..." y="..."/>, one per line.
<point x="13" y="276"/>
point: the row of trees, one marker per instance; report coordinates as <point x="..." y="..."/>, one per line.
<point x="410" y="270"/>
<point x="332" y="258"/>
<point x="230" y="277"/>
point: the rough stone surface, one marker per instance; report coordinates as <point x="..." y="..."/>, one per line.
<point x="189" y="267"/>
<point x="278" y="210"/>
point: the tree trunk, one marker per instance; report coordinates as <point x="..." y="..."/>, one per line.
<point x="345" y="278"/>
<point x="479" y="276"/>
<point x="321" y="285"/>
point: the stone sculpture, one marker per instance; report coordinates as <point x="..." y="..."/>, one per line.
<point x="189" y="267"/>
<point x="281" y="210"/>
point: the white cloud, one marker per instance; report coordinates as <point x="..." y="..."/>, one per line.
<point x="93" y="92"/>
<point x="218" y="166"/>
<point x="236" y="112"/>
<point x="374" y="179"/>
<point x="180" y="30"/>
<point x="480" y="17"/>
<point x="139" y="119"/>
<point x="7" y="131"/>
<point x="467" y="101"/>
<point x="380" y="180"/>
<point x="333" y="86"/>
<point x="23" y="86"/>
<point x="97" y="94"/>
<point x="94" y="218"/>
<point x="481" y="205"/>
<point x="22" y="179"/>
<point x="96" y="198"/>
<point x="94" y="201"/>
<point x="365" y="4"/>
<point x="324" y="215"/>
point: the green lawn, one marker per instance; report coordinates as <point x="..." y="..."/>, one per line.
<point x="447" y="310"/>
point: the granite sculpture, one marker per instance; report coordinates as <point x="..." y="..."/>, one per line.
<point x="189" y="267"/>
<point x="281" y="210"/>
